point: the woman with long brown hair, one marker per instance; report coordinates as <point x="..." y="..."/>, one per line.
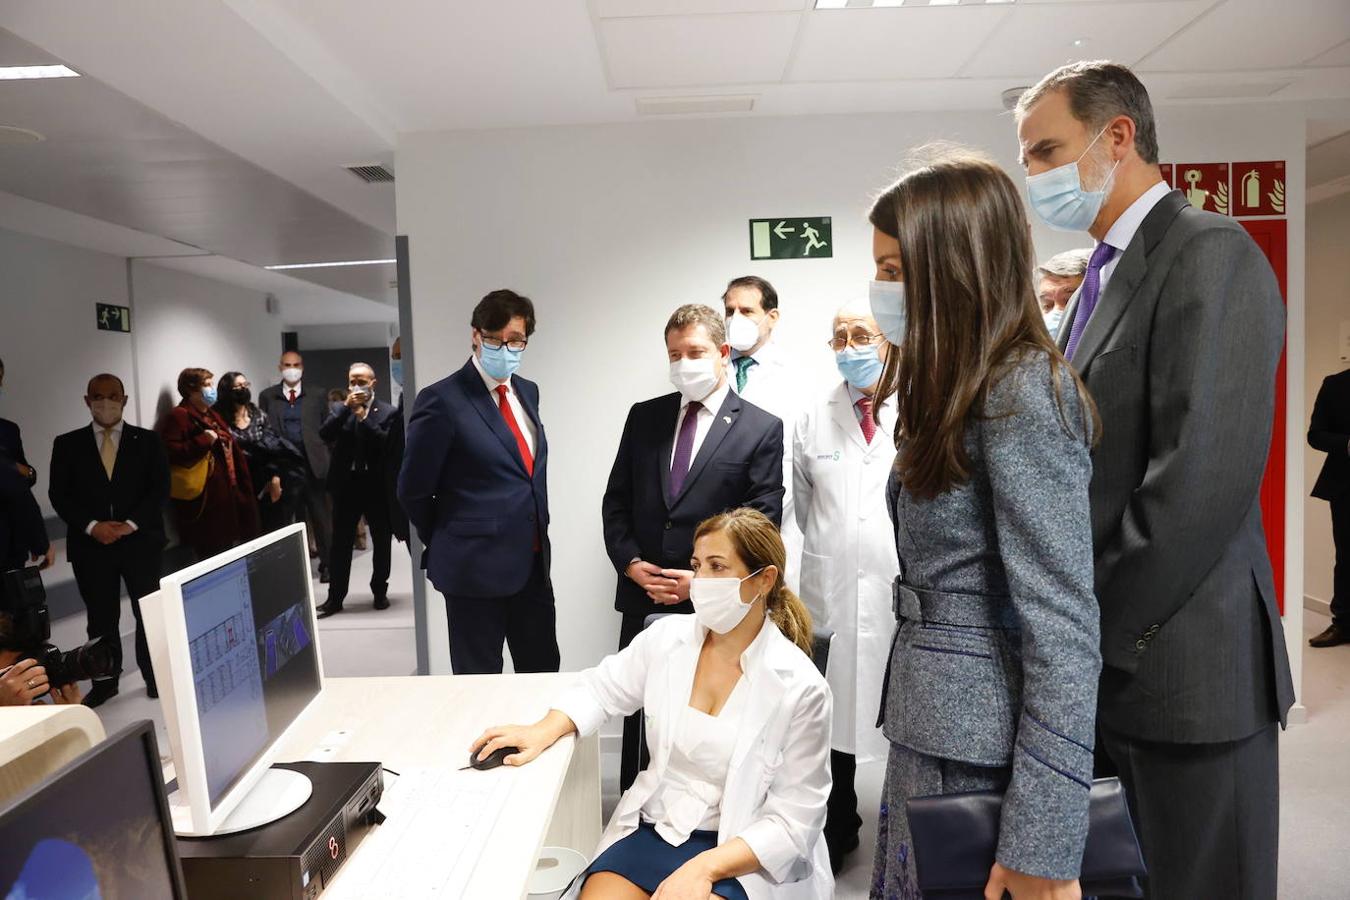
<point x="738" y="719"/>
<point x="992" y="679"/>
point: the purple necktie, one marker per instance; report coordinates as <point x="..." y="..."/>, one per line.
<point x="684" y="449"/>
<point x="1087" y="299"/>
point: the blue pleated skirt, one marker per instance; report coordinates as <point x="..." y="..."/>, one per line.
<point x="645" y="859"/>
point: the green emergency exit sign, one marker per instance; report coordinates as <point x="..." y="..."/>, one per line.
<point x="791" y="238"/>
<point x="113" y="318"/>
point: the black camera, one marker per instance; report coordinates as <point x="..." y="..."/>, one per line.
<point x="24" y="600"/>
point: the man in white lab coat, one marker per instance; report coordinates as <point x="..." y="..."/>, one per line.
<point x="843" y="449"/>
<point x="762" y="374"/>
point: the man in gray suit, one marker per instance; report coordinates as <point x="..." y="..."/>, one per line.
<point x="1177" y="331"/>
<point x="297" y="411"/>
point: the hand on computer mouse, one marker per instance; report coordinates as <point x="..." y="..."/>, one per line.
<point x="490" y="760"/>
<point x="526" y="741"/>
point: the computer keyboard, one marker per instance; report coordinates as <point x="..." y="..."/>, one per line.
<point x="438" y="823"/>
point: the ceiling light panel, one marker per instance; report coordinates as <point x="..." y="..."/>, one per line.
<point x="1037" y="39"/>
<point x="21" y="73"/>
<point x="919" y="42"/>
<point x="698" y="51"/>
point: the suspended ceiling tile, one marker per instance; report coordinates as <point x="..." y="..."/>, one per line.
<point x="618" y="9"/>
<point x="1255" y="34"/>
<point x="698" y="51"/>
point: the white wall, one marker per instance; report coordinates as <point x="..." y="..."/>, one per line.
<point x="1328" y="307"/>
<point x="51" y="347"/>
<point x="609" y="228"/>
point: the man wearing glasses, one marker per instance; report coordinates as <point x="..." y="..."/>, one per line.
<point x="474" y="485"/>
<point x="842" y="451"/>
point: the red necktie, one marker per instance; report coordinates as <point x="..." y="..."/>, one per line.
<point x="292" y="396"/>
<point x="511" y="423"/>
<point x="869" y="424"/>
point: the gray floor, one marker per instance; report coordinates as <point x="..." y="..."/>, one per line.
<point x="1315" y="763"/>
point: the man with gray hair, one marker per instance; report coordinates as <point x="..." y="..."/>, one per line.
<point x="683" y="458"/>
<point x="1177" y="331"/>
<point x="1056" y="280"/>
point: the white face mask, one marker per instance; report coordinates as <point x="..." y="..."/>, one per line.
<point x="106" y="412"/>
<point x="742" y="333"/>
<point x="695" y="379"/>
<point x="292" y="375"/>
<point x="887" y="299"/>
<point x="717" y="602"/>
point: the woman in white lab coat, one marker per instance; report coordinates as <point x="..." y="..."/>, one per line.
<point x="738" y="721"/>
<point x="842" y="455"/>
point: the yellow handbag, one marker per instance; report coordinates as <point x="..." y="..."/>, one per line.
<point x="189" y="482"/>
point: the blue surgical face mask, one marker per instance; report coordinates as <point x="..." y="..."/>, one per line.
<point x="396" y="371"/>
<point x="1058" y="197"/>
<point x="500" y="363"/>
<point x="860" y="366"/>
<point x="888" y="308"/>
<point x="210" y="396"/>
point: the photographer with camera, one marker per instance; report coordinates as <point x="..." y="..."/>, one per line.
<point x="23" y="680"/>
<point x="23" y="536"/>
<point x="109" y="482"/>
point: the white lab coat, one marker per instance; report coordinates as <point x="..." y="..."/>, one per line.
<point x="774" y="387"/>
<point x="779" y="778"/>
<point x="849" y="559"/>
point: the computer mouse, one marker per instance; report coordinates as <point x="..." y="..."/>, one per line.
<point x="492" y="760"/>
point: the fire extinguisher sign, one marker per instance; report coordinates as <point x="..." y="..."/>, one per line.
<point x="1259" y="189"/>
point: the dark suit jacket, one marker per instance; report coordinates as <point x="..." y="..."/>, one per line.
<point x="22" y="531"/>
<point x="81" y="492"/>
<point x="466" y="491"/>
<point x="393" y="461"/>
<point x="1180" y="355"/>
<point x="345" y="431"/>
<point x="1329" y="431"/>
<point x="740" y="463"/>
<point x="313" y="411"/>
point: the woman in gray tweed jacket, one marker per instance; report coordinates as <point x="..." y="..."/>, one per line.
<point x="992" y="682"/>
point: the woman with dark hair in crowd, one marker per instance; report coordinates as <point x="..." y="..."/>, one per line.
<point x="275" y="464"/>
<point x="213" y="501"/>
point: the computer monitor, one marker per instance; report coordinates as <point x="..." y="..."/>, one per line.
<point x="234" y="644"/>
<point x="99" y="827"/>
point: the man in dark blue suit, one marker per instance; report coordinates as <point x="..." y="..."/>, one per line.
<point x="474" y="485"/>
<point x="356" y="479"/>
<point x="109" y="483"/>
<point x="23" y="536"/>
<point x="683" y="457"/>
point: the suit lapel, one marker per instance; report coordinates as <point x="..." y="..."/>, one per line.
<point x="1126" y="278"/>
<point x="540" y="443"/>
<point x="667" y="449"/>
<point x="476" y="391"/>
<point x="124" y="450"/>
<point x="723" y="420"/>
<point x="841" y="411"/>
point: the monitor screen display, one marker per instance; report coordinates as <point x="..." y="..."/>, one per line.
<point x="99" y="829"/>
<point x="254" y="665"/>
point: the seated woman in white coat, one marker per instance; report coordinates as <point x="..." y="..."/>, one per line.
<point x="738" y="721"/>
<point x="843" y="449"/>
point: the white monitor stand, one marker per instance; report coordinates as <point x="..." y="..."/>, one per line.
<point x="277" y="794"/>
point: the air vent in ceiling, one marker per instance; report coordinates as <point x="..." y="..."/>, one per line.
<point x="371" y="173"/>
<point x="694" y="106"/>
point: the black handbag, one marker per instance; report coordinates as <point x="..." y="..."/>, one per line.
<point x="955" y="836"/>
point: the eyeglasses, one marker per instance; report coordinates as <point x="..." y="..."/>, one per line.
<point x="497" y="344"/>
<point x="857" y="339"/>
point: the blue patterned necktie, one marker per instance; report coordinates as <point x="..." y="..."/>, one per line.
<point x="1087" y="300"/>
<point x="743" y="364"/>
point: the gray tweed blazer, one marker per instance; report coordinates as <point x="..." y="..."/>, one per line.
<point x="997" y="656"/>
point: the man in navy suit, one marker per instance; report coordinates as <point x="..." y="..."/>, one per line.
<point x="683" y="457"/>
<point x="356" y="479"/>
<point x="23" y="536"/>
<point x="474" y="485"/>
<point x="109" y="483"/>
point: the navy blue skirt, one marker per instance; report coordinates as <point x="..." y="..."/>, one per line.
<point x="645" y="859"/>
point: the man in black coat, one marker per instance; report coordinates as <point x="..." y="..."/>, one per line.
<point x="297" y="412"/>
<point x="683" y="457"/>
<point x="357" y="482"/>
<point x="109" y="483"/>
<point x="23" y="535"/>
<point x="1329" y="431"/>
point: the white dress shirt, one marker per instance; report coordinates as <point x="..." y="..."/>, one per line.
<point x="689" y="798"/>
<point x="522" y="419"/>
<point x="286" y="389"/>
<point x="1122" y="231"/>
<point x="711" y="404"/>
<point x="856" y="395"/>
<point x="98" y="446"/>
